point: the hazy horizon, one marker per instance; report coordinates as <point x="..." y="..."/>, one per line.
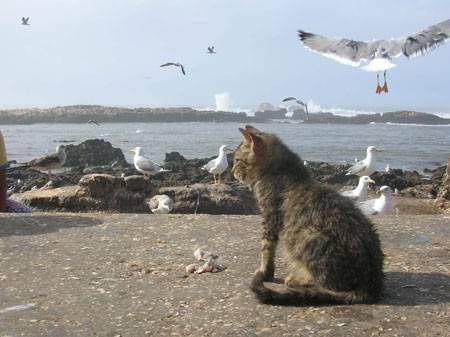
<point x="108" y="52"/>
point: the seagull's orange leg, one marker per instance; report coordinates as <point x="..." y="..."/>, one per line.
<point x="385" y="87"/>
<point x="378" y="90"/>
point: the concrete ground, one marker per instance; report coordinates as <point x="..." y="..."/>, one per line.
<point x="124" y="275"/>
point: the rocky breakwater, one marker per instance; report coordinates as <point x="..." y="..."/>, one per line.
<point x="111" y="184"/>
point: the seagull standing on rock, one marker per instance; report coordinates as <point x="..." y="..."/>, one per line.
<point x="381" y="205"/>
<point x="219" y="165"/>
<point x="143" y="164"/>
<point x="366" y="166"/>
<point x="360" y="192"/>
<point x="50" y="162"/>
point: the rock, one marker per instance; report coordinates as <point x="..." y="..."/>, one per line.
<point x="174" y="156"/>
<point x="139" y="183"/>
<point x="95" y="192"/>
<point x="94" y="152"/>
<point x="102" y="192"/>
<point x="443" y="198"/>
<point x="62" y="198"/>
<point x="212" y="199"/>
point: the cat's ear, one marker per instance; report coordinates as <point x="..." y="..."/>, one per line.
<point x="252" y="128"/>
<point x="258" y="146"/>
<point x="245" y="135"/>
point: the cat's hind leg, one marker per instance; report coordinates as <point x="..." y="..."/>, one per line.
<point x="299" y="277"/>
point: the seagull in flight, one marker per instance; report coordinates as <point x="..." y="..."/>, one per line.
<point x="299" y="102"/>
<point x="25" y="21"/>
<point x="211" y="50"/>
<point x="91" y="121"/>
<point x="377" y="55"/>
<point x="174" y="64"/>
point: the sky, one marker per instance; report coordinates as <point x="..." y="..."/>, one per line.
<point x="108" y="52"/>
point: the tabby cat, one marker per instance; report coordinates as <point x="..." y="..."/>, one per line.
<point x="333" y="249"/>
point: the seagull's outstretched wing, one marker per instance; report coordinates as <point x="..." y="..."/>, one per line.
<point x="353" y="52"/>
<point x="357" y="168"/>
<point x="168" y="64"/>
<point x="290" y="98"/>
<point x="345" y="51"/>
<point x="427" y="40"/>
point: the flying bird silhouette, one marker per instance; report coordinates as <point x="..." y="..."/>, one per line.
<point x="377" y="55"/>
<point x="174" y="64"/>
<point x="25" y="21"/>
<point x="211" y="50"/>
<point x="91" y="121"/>
<point x="299" y="102"/>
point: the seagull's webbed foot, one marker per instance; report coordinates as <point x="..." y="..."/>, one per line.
<point x="378" y="89"/>
<point x="385" y="87"/>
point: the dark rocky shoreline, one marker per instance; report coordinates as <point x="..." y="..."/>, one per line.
<point x="103" y="114"/>
<point x="108" y="183"/>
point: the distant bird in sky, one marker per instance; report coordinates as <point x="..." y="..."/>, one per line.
<point x="381" y="205"/>
<point x="377" y="55"/>
<point x="211" y="50"/>
<point x="174" y="64"/>
<point x="25" y="21"/>
<point x="298" y="101"/>
<point x="49" y="162"/>
<point x="91" y="121"/>
<point x="366" y="166"/>
<point x="143" y="164"/>
<point x="360" y="192"/>
<point x="218" y="165"/>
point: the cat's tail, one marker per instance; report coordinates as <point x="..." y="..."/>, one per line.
<point x="304" y="295"/>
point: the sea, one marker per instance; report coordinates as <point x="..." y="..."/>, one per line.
<point x="412" y="147"/>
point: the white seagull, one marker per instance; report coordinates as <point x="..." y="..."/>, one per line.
<point x="211" y="50"/>
<point x="219" y="165"/>
<point x="25" y="21"/>
<point x="163" y="203"/>
<point x="387" y="169"/>
<point x="143" y="164"/>
<point x="360" y="192"/>
<point x="377" y="55"/>
<point x="366" y="166"/>
<point x="298" y="101"/>
<point x="49" y="162"/>
<point x="381" y="205"/>
<point x="175" y="65"/>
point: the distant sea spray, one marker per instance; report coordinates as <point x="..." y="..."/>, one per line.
<point x="222" y="101"/>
